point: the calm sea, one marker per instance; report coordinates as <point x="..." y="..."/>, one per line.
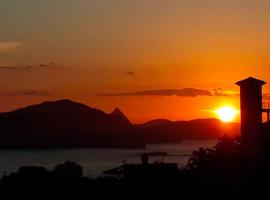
<point x="94" y="161"/>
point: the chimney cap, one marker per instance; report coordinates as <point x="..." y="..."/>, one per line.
<point x="250" y="81"/>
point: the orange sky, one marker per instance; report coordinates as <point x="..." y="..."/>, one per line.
<point x="79" y="49"/>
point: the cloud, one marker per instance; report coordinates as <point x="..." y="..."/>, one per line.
<point x="184" y="92"/>
<point x="224" y="93"/>
<point x="28" y="93"/>
<point x="9" y="46"/>
<point x="130" y="73"/>
<point x="28" y="68"/>
<point x="16" y="68"/>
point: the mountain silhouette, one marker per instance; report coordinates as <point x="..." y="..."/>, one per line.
<point x="118" y="113"/>
<point x="166" y="131"/>
<point x="64" y="123"/>
<point x="67" y="124"/>
<point x="155" y="123"/>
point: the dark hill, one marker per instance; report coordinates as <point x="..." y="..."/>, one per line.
<point x="155" y="123"/>
<point x="118" y="113"/>
<point x="64" y="123"/>
<point x="160" y="131"/>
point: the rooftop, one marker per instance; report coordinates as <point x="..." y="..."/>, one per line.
<point x="250" y="81"/>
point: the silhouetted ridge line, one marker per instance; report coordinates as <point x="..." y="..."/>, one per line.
<point x="63" y="103"/>
<point x="156" y="122"/>
<point x="118" y="113"/>
<point x="65" y="123"/>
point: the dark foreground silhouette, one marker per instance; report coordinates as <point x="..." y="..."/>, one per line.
<point x="214" y="173"/>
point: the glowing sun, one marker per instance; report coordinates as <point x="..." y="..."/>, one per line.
<point x="226" y="113"/>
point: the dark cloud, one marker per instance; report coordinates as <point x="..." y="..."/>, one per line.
<point x="224" y="93"/>
<point x="130" y="73"/>
<point x="43" y="65"/>
<point x="28" y="93"/>
<point x="218" y="89"/>
<point x="184" y="92"/>
<point x="16" y="68"/>
<point x="28" y="68"/>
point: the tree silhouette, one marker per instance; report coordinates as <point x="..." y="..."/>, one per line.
<point x="224" y="158"/>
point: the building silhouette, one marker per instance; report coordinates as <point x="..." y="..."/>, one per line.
<point x="251" y="120"/>
<point x="145" y="170"/>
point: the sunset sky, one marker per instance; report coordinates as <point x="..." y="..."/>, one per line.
<point x="174" y="59"/>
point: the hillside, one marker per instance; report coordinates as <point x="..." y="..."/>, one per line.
<point x="66" y="124"/>
<point x="165" y="131"/>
